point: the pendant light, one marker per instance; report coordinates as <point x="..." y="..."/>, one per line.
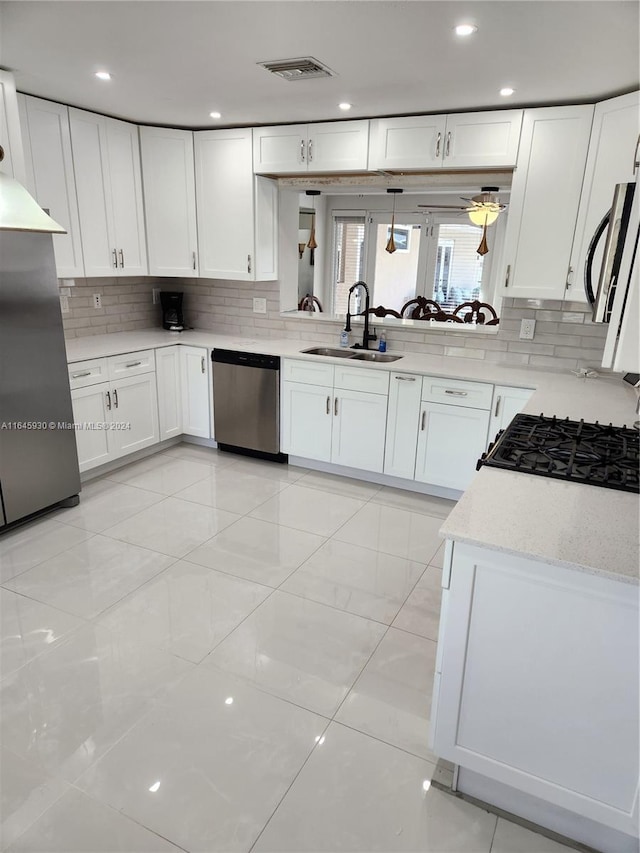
<point x="391" y="243"/>
<point x="312" y="237"/>
<point x="19" y="211"/>
<point x="486" y="209"/>
<point x="483" y="248"/>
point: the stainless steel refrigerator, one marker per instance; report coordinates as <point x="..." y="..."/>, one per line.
<point x="38" y="456"/>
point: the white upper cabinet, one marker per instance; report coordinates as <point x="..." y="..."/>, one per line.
<point x="333" y="146"/>
<point x="106" y="158"/>
<point x="10" y="136"/>
<point x="50" y="178"/>
<point x="168" y="181"/>
<point x="459" y="141"/>
<point x="237" y="212"/>
<point x="544" y="201"/>
<point x="613" y="153"/>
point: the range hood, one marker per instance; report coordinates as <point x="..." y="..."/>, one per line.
<point x="19" y="211"/>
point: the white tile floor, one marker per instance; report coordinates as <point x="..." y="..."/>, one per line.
<point x="216" y="654"/>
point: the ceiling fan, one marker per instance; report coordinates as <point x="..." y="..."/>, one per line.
<point x="483" y="210"/>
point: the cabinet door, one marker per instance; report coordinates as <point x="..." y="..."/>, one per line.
<point x="482" y="140"/>
<point x="169" y="391"/>
<point x="10" y="135"/>
<point x="306" y="419"/>
<point x="50" y="178"/>
<point x="450" y="442"/>
<point x="338" y="146"/>
<point x="280" y="150"/>
<point x="507" y="403"/>
<point x="612" y="151"/>
<point x="91" y="170"/>
<point x="93" y="405"/>
<point x="169" y="188"/>
<point x="415" y="142"/>
<point x="224" y="195"/>
<point x="194" y="369"/>
<point x="135" y="402"/>
<point x="402" y="425"/>
<point x="359" y="427"/>
<point x="123" y="147"/>
<point x="544" y="201"/>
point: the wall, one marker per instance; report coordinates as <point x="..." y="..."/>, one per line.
<point x="565" y="338"/>
<point x="126" y="305"/>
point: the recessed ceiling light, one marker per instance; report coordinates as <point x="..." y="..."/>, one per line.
<point x="506" y="91"/>
<point x="215" y="115"/>
<point x="345" y="106"/>
<point x="103" y="75"/>
<point x="466" y="30"/>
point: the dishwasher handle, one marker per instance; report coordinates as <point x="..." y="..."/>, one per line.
<point x="246" y="359"/>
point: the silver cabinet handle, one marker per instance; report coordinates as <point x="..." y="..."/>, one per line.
<point x="115" y="398"/>
<point x="78" y="375"/>
<point x="335" y="407"/>
<point x="302" y="150"/>
<point x="448" y="145"/>
<point x="194" y="259"/>
<point x="423" y="420"/>
<point x="495" y="414"/>
<point x="108" y="396"/>
<point x="328" y="404"/>
<point x="438" y="138"/>
<point x="310" y="150"/>
<point x="405" y="378"/>
<point x="133" y="364"/>
<point x="506" y="281"/>
<point x="248" y="263"/>
<point x="202" y="367"/>
<point x="115" y="258"/>
<point x="569" y="283"/>
<point x="636" y="157"/>
<point x="456" y="393"/>
<point x="121" y="253"/>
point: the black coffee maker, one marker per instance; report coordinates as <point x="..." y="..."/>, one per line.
<point x="172" y="318"/>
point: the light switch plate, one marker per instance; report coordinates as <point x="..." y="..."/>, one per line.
<point x="527" y="330"/>
<point x="259" y="306"/>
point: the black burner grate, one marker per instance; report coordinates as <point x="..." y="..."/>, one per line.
<point x="573" y="451"/>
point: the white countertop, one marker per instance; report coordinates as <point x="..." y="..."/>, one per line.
<point x="569" y="524"/>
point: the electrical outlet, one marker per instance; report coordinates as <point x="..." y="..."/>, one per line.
<point x="64" y="303"/>
<point x="97" y="300"/>
<point x="259" y="306"/>
<point x="527" y="330"/>
<point x="156" y="295"/>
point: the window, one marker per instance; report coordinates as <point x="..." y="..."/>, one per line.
<point x="348" y="258"/>
<point x="395" y="277"/>
<point x="459" y="269"/>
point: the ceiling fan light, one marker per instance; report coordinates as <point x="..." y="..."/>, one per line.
<point x="480" y="215"/>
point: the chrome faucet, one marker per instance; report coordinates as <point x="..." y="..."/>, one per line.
<point x="366" y="336"/>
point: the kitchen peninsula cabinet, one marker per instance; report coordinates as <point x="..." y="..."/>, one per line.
<point x="106" y="159"/>
<point x="483" y="140"/>
<point x="50" y="176"/>
<point x="168" y="180"/>
<point x="333" y="146"/>
<point x="545" y="195"/>
<point x="237" y="211"/>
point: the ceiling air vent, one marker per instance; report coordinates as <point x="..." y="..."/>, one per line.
<point x="303" y="68"/>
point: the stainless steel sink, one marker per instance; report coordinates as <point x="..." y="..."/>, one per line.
<point x="333" y="353"/>
<point x="375" y="356"/>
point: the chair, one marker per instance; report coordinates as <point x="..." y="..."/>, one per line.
<point x="474" y="312"/>
<point x="420" y="309"/>
<point x="381" y="311"/>
<point x="309" y="303"/>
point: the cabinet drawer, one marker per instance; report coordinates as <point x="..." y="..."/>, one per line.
<point x="355" y="378"/>
<point x="131" y="364"/>
<point x="83" y="373"/>
<point x="457" y="392"/>
<point x="309" y="372"/>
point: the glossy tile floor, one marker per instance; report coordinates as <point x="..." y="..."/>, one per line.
<point x="216" y="654"/>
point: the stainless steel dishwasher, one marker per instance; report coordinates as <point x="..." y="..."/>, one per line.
<point x="246" y="403"/>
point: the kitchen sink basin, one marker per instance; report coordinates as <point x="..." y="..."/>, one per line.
<point x="375" y="356"/>
<point x="333" y="353"/>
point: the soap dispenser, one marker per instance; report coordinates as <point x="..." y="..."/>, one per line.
<point x="382" y="345"/>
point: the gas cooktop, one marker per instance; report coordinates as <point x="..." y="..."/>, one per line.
<point x="574" y="451"/>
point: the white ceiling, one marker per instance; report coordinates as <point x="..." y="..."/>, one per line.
<point x="174" y="62"/>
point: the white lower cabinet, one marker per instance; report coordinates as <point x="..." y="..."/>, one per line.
<point x="536" y="683"/>
<point x="135" y="403"/>
<point x="194" y="380"/>
<point x="306" y="420"/>
<point x="507" y="403"/>
<point x="169" y="388"/>
<point x="90" y="406"/>
<point x="451" y="439"/>
<point x="402" y="425"/>
<point x="359" y="426"/>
